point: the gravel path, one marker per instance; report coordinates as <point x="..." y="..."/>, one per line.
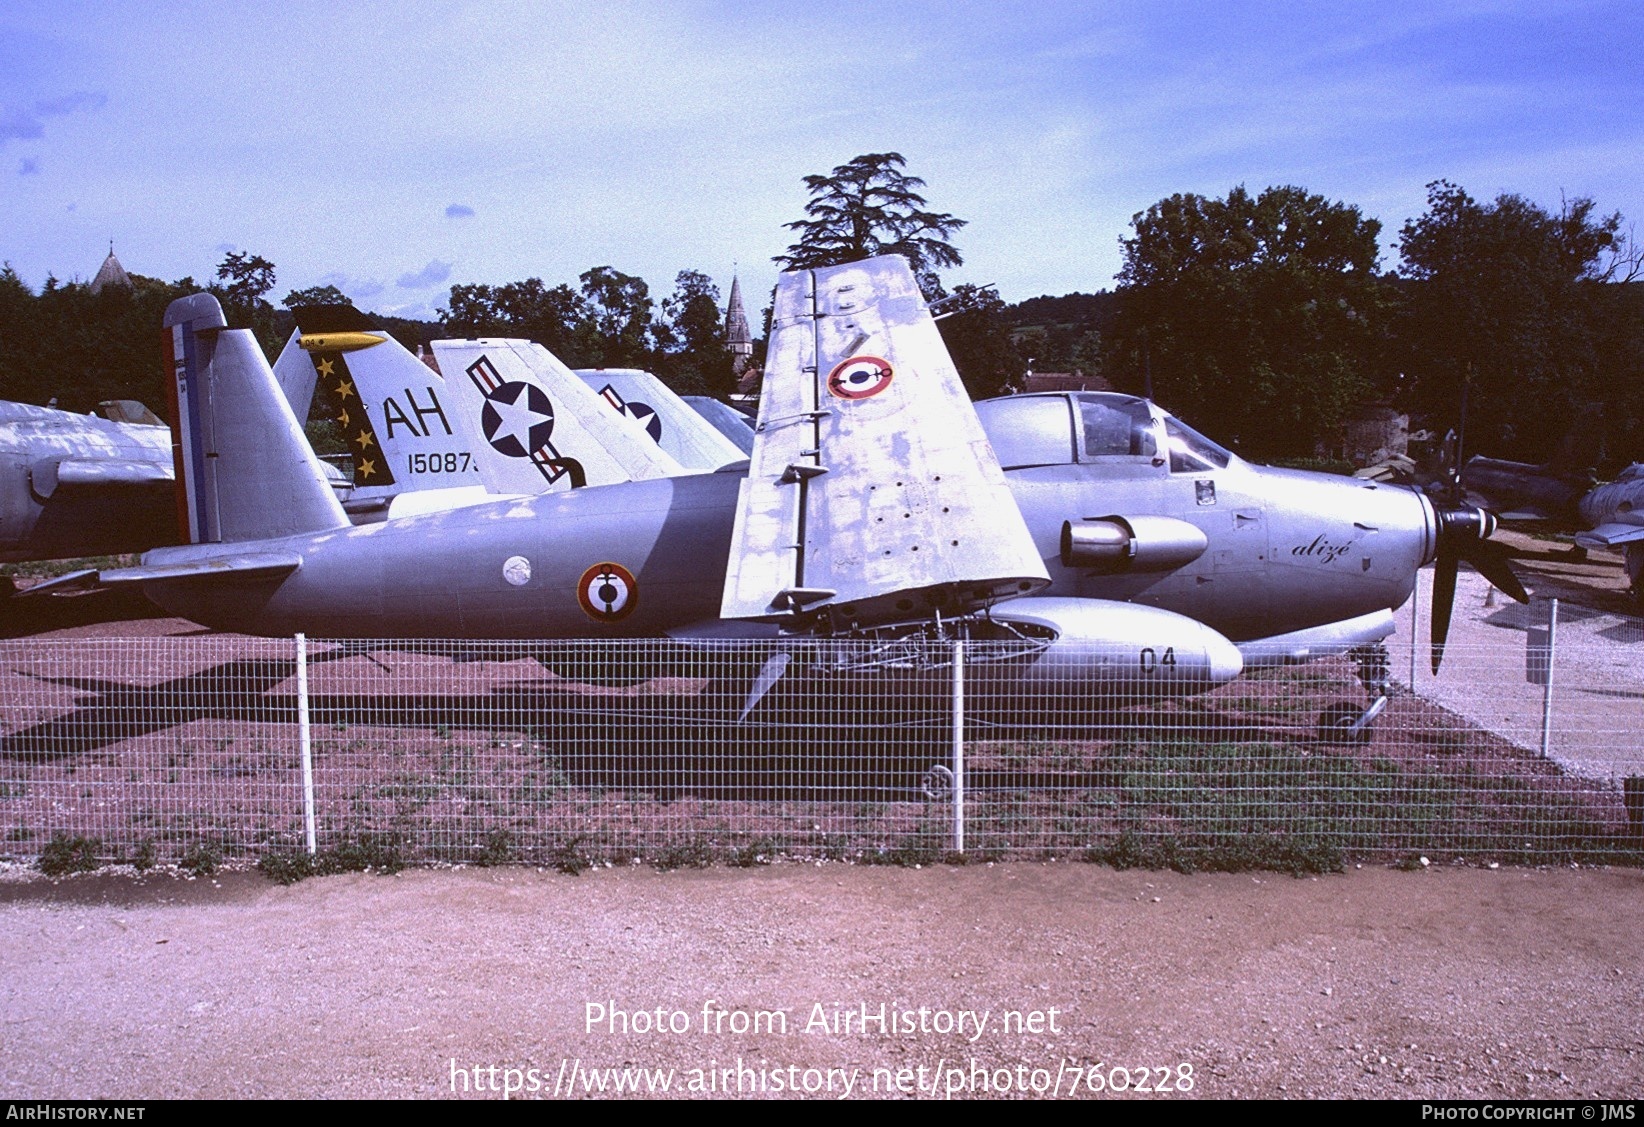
<point x="1456" y="983"/>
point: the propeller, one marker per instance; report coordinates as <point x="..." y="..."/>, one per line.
<point x="1464" y="534"/>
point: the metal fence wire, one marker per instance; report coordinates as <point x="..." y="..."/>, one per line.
<point x="159" y="750"/>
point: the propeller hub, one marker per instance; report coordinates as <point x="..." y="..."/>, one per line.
<point x="1464" y="523"/>
<point x="1464" y="534"/>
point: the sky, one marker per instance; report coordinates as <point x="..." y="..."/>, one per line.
<point x="393" y="150"/>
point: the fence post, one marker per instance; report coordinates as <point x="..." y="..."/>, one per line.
<point x="304" y="744"/>
<point x="958" y="747"/>
<point x="1415" y="627"/>
<point x="1547" y="685"/>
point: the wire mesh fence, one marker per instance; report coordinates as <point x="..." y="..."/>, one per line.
<point x="569" y="753"/>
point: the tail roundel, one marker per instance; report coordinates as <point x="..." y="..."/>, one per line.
<point x="245" y="470"/>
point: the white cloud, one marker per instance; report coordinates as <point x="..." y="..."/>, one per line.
<point x="431" y="275"/>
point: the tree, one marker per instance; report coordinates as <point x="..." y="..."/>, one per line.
<point x="617" y="328"/>
<point x="528" y="309"/>
<point x="690" y="338"/>
<point x="1260" y="315"/>
<point x="315" y="295"/>
<point x="1506" y="309"/>
<point x="977" y="336"/>
<point x="242" y="280"/>
<point x="869" y="207"/>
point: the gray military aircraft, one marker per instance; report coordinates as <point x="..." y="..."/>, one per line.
<point x="1099" y="540"/>
<point x="1615" y="512"/>
<point x="79" y="485"/>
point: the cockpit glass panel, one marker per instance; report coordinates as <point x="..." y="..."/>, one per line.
<point x="1029" y="430"/>
<point x="1190" y="451"/>
<point x="1117" y="427"/>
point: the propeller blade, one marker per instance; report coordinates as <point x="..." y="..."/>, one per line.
<point x="1490" y="559"/>
<point x="1444" y="597"/>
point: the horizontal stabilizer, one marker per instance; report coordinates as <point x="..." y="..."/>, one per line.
<point x="71" y="581"/>
<point x="252" y="565"/>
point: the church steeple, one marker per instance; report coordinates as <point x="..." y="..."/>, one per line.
<point x="738" y="340"/>
<point x="111" y="273"/>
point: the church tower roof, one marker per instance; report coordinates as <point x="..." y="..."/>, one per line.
<point x="111" y="273"/>
<point x="737" y="337"/>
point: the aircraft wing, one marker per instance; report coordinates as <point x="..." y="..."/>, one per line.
<point x="873" y="490"/>
<point x="534" y="427"/>
<point x="115" y="471"/>
<point x="1611" y="535"/>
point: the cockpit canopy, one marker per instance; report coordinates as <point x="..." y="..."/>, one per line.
<point x="1064" y="428"/>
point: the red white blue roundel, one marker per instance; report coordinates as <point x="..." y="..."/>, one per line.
<point x="608" y="592"/>
<point x="860" y="377"/>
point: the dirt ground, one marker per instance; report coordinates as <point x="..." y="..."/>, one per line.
<point x="1440" y="983"/>
<point x="1480" y="983"/>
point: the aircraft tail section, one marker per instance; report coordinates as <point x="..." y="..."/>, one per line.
<point x="535" y="427"/>
<point x="671" y="423"/>
<point x="245" y="470"/>
<point x="393" y="410"/>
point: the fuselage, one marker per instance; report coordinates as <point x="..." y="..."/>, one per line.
<point x="1285" y="550"/>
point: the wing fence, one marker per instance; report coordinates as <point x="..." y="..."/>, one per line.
<point x="178" y="749"/>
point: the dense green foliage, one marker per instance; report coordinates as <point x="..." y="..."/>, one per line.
<point x="609" y="322"/>
<point x="1266" y="319"/>
<point x="1259" y="315"/>
<point x="1512" y="310"/>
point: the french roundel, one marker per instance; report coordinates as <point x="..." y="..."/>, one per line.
<point x="860" y="377"/>
<point x="608" y="592"/>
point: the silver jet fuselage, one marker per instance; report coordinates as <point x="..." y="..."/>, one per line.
<point x="79" y="485"/>
<point x="1281" y="550"/>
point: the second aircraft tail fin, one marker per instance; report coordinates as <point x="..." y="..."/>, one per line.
<point x="245" y="470"/>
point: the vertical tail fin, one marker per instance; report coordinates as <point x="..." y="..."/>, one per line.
<point x="245" y="470"/>
<point x="535" y="427"/>
<point x="392" y="409"/>
<point x="687" y="436"/>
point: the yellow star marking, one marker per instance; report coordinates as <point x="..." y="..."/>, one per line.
<point x="364" y="439"/>
<point x="367" y="468"/>
<point x="325" y="366"/>
<point x="344" y="389"/>
<point x="343" y="418"/>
